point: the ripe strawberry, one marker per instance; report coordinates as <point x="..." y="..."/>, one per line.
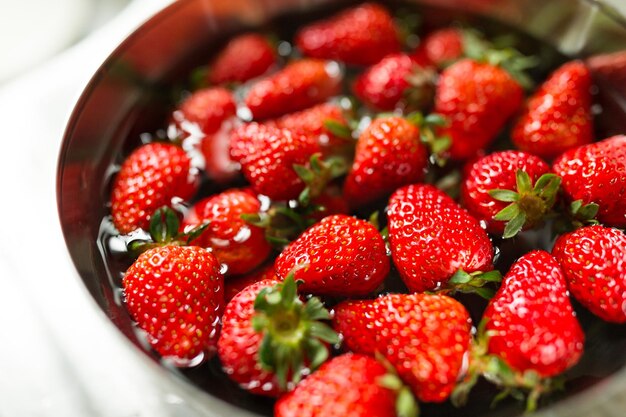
<point x="593" y="260"/>
<point x="236" y="244"/>
<point x="176" y="294"/>
<point x="558" y="115"/>
<point x="234" y="285"/>
<point x="204" y="110"/>
<point x="477" y="99"/>
<point x="424" y="336"/>
<point x="341" y="255"/>
<point x="362" y="35"/>
<point x="299" y="85"/>
<point x="244" y="57"/>
<point x="348" y="385"/>
<point x="434" y="241"/>
<point x="530" y="320"/>
<point x="215" y="149"/>
<point x="269" y="335"/>
<point x="149" y="178"/>
<point x="389" y="154"/>
<point x="596" y="173"/>
<point x="441" y="47"/>
<point x="504" y="181"/>
<point x="321" y="121"/>
<point x="267" y="156"/>
<point x="396" y="81"/>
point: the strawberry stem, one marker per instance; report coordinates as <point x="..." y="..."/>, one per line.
<point x="473" y="283"/>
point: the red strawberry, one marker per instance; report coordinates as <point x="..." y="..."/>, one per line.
<point x="215" y="149"/>
<point x="433" y="239"/>
<point x="395" y="81"/>
<point x="596" y="173"/>
<point x="319" y="121"/>
<point x="441" y="47"/>
<point x="593" y="260"/>
<point x="267" y="156"/>
<point x="244" y="57"/>
<point x="238" y="245"/>
<point x="424" y="336"/>
<point x="389" y="154"/>
<point x="341" y="255"/>
<point x="477" y="99"/>
<point x="362" y="35"/>
<point x="234" y="285"/>
<point x="348" y="385"/>
<point x="149" y="178"/>
<point x="205" y="110"/>
<point x="176" y="294"/>
<point x="558" y="115"/>
<point x="269" y="335"/>
<point x="530" y="320"/>
<point x="504" y="181"/>
<point x="299" y="85"/>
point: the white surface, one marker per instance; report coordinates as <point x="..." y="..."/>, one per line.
<point x="58" y="356"/>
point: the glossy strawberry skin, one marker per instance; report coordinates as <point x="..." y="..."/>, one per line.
<point x="341" y="256"/>
<point x="531" y="322"/>
<point x="176" y="294"/>
<point x="440" y="47"/>
<point x="267" y="155"/>
<point x="205" y="109"/>
<point x="496" y="171"/>
<point x="558" y="115"/>
<point x="238" y="245"/>
<point x="234" y="285"/>
<point x="389" y="154"/>
<point x="244" y="57"/>
<point x="362" y="35"/>
<point x="149" y="178"/>
<point x="383" y="85"/>
<point x="477" y="99"/>
<point x="432" y="237"/>
<point x="596" y="173"/>
<point x="424" y="336"/>
<point x="347" y="386"/>
<point x="593" y="260"/>
<point x="299" y="85"/>
<point x="238" y="344"/>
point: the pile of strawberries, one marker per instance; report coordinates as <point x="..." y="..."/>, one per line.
<point x="291" y="290"/>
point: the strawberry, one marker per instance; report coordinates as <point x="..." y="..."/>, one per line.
<point x="341" y="255"/>
<point x="435" y="244"/>
<point x="477" y="99"/>
<point x="176" y="294"/>
<point x="237" y="245"/>
<point x="149" y="178"/>
<point x="504" y="181"/>
<point x="596" y="173"/>
<point x="244" y="57"/>
<point x="215" y="149"/>
<point x="267" y="156"/>
<point x="269" y="335"/>
<point x="234" y="285"/>
<point x="593" y="260"/>
<point x="424" y="336"/>
<point x="441" y="47"/>
<point x="327" y="122"/>
<point x="362" y="35"/>
<point x="558" y="115"/>
<point x="396" y="81"/>
<point x="529" y="333"/>
<point x="204" y="110"/>
<point x="389" y="154"/>
<point x="299" y="85"/>
<point x="348" y="385"/>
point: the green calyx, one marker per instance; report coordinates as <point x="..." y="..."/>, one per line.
<point x="165" y="230"/>
<point x="526" y="386"/>
<point x="474" y="283"/>
<point x="576" y="215"/>
<point x="318" y="175"/>
<point x="429" y="126"/>
<point x="528" y="204"/>
<point x="294" y="336"/>
<point x="406" y="403"/>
